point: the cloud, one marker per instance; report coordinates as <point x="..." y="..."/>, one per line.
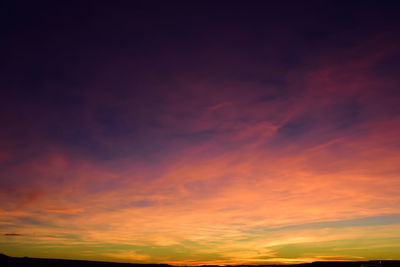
<point x="12" y="234"/>
<point x="64" y="210"/>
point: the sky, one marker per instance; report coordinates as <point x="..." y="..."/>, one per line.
<point x="200" y="132"/>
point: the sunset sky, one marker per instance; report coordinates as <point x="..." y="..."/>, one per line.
<point x="200" y="132"/>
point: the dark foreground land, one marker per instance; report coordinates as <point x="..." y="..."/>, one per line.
<point x="33" y="262"/>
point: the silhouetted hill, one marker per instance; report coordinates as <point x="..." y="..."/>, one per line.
<point x="33" y="262"/>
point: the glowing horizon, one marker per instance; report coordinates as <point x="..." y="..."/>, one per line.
<point x="222" y="148"/>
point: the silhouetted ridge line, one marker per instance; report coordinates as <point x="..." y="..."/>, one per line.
<point x="33" y="262"/>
